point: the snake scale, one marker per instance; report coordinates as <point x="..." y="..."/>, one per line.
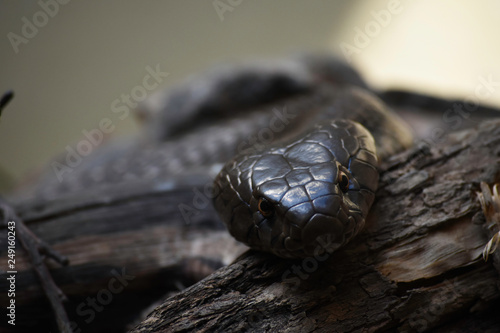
<point x="310" y="182"/>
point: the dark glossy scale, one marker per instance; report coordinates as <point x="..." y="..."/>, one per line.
<point x="293" y="199"/>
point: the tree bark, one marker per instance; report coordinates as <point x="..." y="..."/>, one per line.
<point x="416" y="267"/>
<point x="127" y="247"/>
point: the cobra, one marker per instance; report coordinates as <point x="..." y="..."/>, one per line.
<point x="315" y="187"/>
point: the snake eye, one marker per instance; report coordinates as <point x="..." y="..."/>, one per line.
<point x="265" y="207"/>
<point x="343" y="181"/>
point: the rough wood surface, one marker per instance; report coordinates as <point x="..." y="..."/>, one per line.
<point x="136" y="232"/>
<point x="417" y="266"/>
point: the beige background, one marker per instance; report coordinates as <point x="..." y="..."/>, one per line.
<point x="90" y="52"/>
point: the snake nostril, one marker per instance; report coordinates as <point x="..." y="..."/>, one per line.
<point x="265" y="207"/>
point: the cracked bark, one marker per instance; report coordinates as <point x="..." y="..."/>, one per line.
<point x="416" y="267"/>
<point x="102" y="238"/>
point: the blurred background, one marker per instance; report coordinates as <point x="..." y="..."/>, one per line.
<point x="68" y="61"/>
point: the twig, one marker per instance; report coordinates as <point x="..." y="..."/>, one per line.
<point x="6" y="98"/>
<point x="490" y="203"/>
<point x="37" y="249"/>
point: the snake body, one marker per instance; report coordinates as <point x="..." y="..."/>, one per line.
<point x="306" y="192"/>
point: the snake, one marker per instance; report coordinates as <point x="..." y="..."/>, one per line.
<point x="311" y="193"/>
<point x="304" y="190"/>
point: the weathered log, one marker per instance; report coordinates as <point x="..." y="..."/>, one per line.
<point x="130" y="244"/>
<point x="417" y="266"/>
<point x="127" y="247"/>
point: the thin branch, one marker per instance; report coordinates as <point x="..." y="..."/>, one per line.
<point x="6" y="98"/>
<point x="36" y="250"/>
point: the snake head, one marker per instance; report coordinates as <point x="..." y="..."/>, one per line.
<point x="304" y="197"/>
